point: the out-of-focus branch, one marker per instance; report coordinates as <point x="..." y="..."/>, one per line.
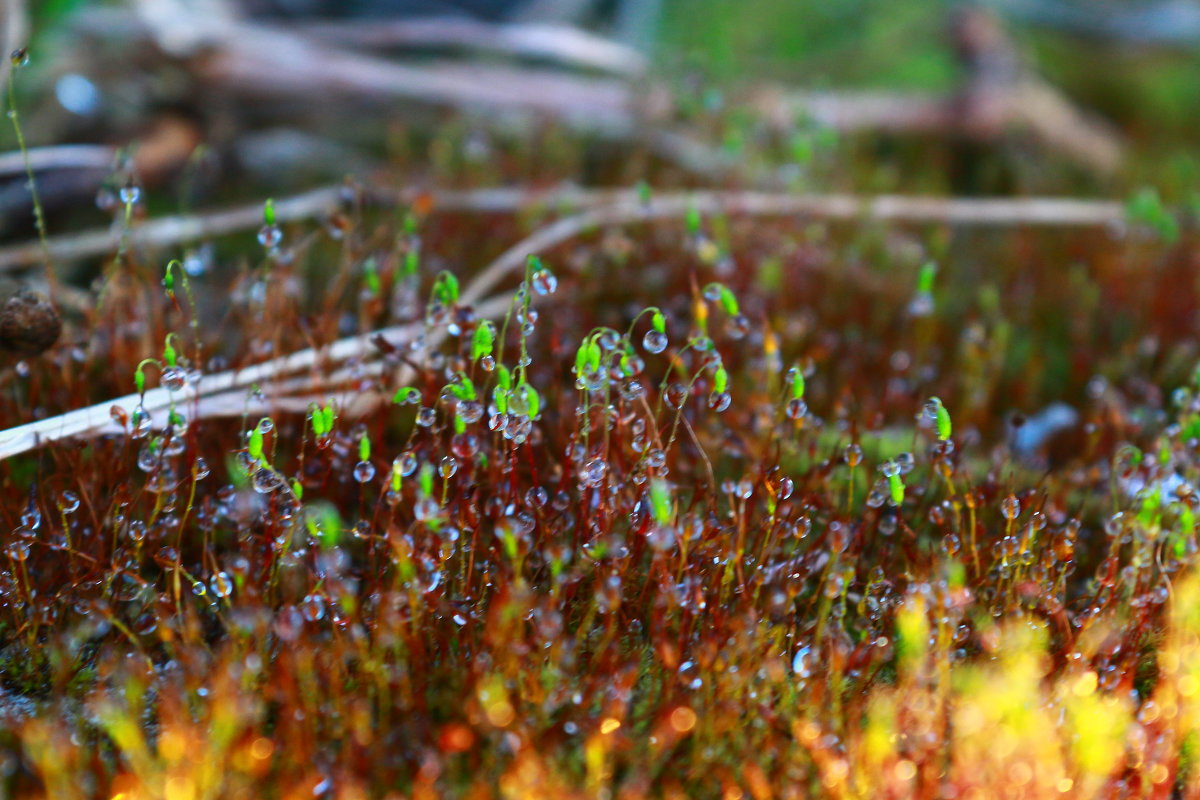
<point x="563" y="44"/>
<point x="66" y="156"/>
<point x="997" y="97"/>
<point x="1028" y="107"/>
<point x="269" y="61"/>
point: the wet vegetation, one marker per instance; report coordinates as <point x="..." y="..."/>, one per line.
<point x="695" y="505"/>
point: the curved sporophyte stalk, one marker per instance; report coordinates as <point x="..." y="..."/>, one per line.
<point x="168" y="282"/>
<point x="20" y="58"/>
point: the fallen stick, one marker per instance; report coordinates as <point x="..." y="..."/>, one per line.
<point x="167" y="231"/>
<point x="98" y="419"/>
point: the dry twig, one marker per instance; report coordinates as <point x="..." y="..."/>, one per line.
<point x="169" y="231"/>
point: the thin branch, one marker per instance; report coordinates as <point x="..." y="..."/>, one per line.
<point x="168" y="231"/>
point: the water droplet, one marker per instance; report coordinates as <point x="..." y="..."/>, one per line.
<point x="69" y="503"/>
<point x="544" y="282"/>
<point x="266" y="480"/>
<point x="470" y="411"/>
<point x="19" y="57"/>
<point x="536" y="497"/>
<point x="364" y="471"/>
<point x="130" y="193"/>
<point x="174" y="378"/>
<point x="1011" y="507"/>
<point x="796" y="408"/>
<point x="593" y="473"/>
<point x="662" y="537"/>
<point x="222" y="584"/>
<point x="853" y="455"/>
<point x="313" y="608"/>
<point x="803" y="662"/>
<point x="150" y="456"/>
<point x="739" y="326"/>
<point x="140" y="422"/>
<point x="655" y="341"/>
<point x="921" y="305"/>
<point x="447" y="467"/>
<point x="269" y="236"/>
<point x="719" y="401"/>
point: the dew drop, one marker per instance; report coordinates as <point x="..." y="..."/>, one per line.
<point x="140" y="421"/>
<point x="1011" y="507"/>
<point x="174" y="378"/>
<point x="739" y="326"/>
<point x="222" y="584"/>
<point x="266" y="480"/>
<point x="544" y="282"/>
<point x="719" y="401"/>
<point x="655" y="341"/>
<point x="69" y="502"/>
<point x="853" y="455"/>
<point x="364" y="471"/>
<point x="593" y="473"/>
<point x="130" y="193"/>
<point x="269" y="236"/>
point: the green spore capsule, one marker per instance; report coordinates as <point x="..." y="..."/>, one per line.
<point x="720" y="380"/>
<point x="660" y="501"/>
<point x="406" y="395"/>
<point x="941" y="418"/>
<point x="926" y="276"/>
<point x="797" y="384"/>
<point x="255" y="445"/>
<point x="484" y="340"/>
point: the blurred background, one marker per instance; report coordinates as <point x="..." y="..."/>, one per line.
<point x="198" y="101"/>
